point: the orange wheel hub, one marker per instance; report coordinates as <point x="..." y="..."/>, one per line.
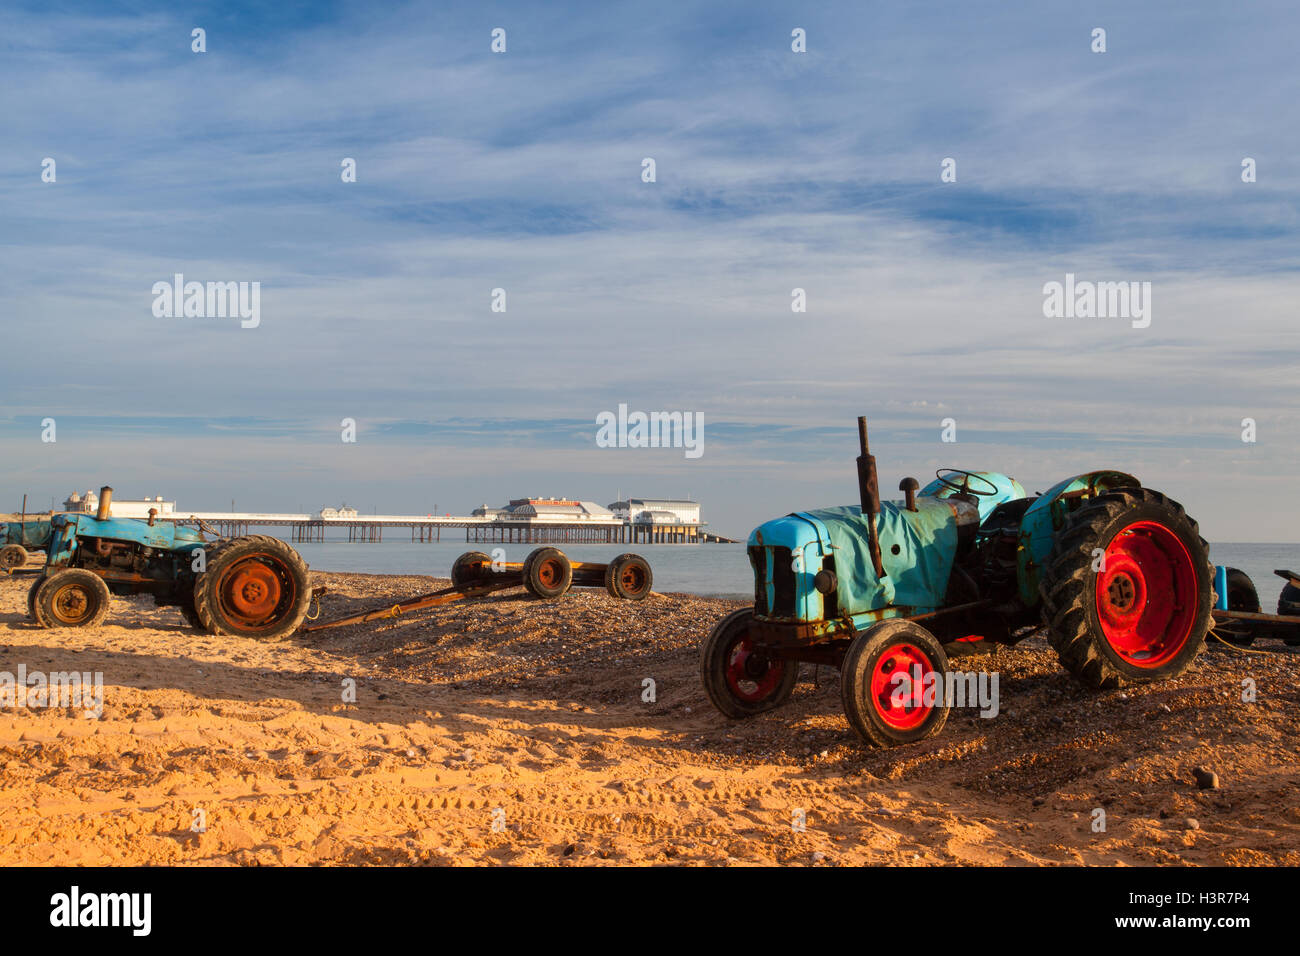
<point x="251" y="591"/>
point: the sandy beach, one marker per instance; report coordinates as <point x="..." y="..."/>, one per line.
<point x="520" y="731"/>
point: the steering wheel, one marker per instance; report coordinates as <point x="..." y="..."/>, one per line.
<point x="964" y="488"/>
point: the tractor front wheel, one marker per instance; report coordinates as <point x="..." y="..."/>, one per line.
<point x="739" y="678"/>
<point x="1127" y="589"/>
<point x="71" y="598"/>
<point x="12" y="556"/>
<point x="892" y="684"/>
<point x="32" y="611"/>
<point x="254" y="586"/>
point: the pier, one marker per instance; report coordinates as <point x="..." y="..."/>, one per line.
<point x="427" y="528"/>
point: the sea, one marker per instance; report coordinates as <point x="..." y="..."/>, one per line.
<point x="709" y="570"/>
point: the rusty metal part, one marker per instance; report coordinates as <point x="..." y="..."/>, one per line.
<point x="782" y="634"/>
<point x="909" y="486"/>
<point x="153" y="515"/>
<point x="1279" y="619"/>
<point x="423" y="601"/>
<point x="105" y="500"/>
<point x="869" y="493"/>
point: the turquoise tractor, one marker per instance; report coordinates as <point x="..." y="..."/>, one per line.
<point x="1116" y="573"/>
<point x="251" y="586"/>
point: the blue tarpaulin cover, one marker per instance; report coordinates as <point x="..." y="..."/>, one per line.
<point x="917" y="576"/>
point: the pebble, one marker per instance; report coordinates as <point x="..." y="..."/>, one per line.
<point x="1193" y="823"/>
<point x="818" y="856"/>
<point x="1206" y="779"/>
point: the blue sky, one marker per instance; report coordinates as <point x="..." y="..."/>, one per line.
<point x="775" y="170"/>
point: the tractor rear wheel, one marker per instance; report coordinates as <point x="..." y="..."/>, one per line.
<point x="72" y="597"/>
<point x="892" y="684"/>
<point x="12" y="556"/>
<point x="740" y="679"/>
<point x="254" y="586"/>
<point x="469" y="567"/>
<point x="1127" y="589"/>
<point x="629" y="577"/>
<point x="547" y="573"/>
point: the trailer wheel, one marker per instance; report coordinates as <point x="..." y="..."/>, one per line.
<point x="469" y="567"/>
<point x="12" y="556"/>
<point x="1143" y="615"/>
<point x="629" y="577"/>
<point x="72" y="597"/>
<point x="254" y="586"/>
<point x="1241" y="597"/>
<point x="547" y="573"/>
<point x="1288" y="603"/>
<point x="741" y="680"/>
<point x="891" y="684"/>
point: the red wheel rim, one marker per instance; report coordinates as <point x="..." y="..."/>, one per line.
<point x="898" y="685"/>
<point x="1146" y="594"/>
<point x="752" y="676"/>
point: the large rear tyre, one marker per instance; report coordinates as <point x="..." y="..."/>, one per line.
<point x="12" y="556"/>
<point x="254" y="586"/>
<point x="470" y="567"/>
<point x="892" y="684"/>
<point x="1142" y="615"/>
<point x="547" y="573"/>
<point x="739" y="679"/>
<point x="629" y="577"/>
<point x="71" y="598"/>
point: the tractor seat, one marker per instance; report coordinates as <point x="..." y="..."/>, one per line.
<point x="1005" y="518"/>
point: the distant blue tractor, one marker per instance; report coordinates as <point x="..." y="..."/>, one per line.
<point x="1117" y="574"/>
<point x="254" y="586"/>
<point x="19" y="538"/>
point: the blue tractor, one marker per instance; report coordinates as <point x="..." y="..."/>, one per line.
<point x="1116" y="573"/>
<point x="253" y="586"/>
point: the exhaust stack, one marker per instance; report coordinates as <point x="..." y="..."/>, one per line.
<point x="869" y="492"/>
<point x="105" y="500"/>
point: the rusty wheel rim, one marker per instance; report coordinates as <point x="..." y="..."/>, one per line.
<point x="633" y="579"/>
<point x="550" y="573"/>
<point x="72" y="604"/>
<point x="255" y="590"/>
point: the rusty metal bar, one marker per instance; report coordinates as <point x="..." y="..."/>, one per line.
<point x="1285" y="619"/>
<point x="420" y="603"/>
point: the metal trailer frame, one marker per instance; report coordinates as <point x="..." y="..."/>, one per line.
<point x="502" y="577"/>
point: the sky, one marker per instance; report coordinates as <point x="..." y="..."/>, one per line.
<point x="522" y="170"/>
